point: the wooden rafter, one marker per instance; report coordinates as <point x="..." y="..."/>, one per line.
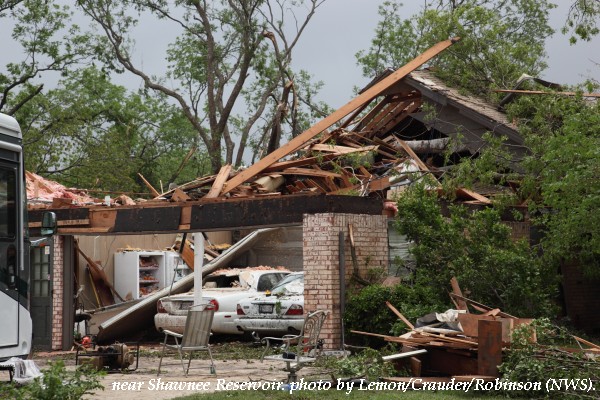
<point x="364" y="98"/>
<point x="395" y="118"/>
<point x="217" y="186"/>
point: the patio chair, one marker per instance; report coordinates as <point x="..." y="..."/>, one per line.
<point x="298" y="350"/>
<point x="194" y="338"/>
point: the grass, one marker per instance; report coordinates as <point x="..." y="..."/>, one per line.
<point x="334" y="395"/>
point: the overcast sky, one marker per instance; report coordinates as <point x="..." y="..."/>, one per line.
<point x="341" y="28"/>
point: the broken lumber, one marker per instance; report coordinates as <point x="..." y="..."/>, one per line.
<point x="399" y="314"/>
<point x="359" y="101"/>
<point x="149" y="186"/>
<point x="583" y="341"/>
<point x="462" y="305"/>
<point x="219" y="182"/>
<point x="481" y="306"/>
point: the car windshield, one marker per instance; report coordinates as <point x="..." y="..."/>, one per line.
<point x="290" y="284"/>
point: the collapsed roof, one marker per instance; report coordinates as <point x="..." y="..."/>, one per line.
<point x="384" y="137"/>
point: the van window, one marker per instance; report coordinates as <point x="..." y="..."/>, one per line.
<point x="8" y="203"/>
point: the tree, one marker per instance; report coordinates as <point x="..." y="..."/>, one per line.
<point x="226" y="53"/>
<point x="50" y="46"/>
<point x="500" y="40"/>
<point x="90" y="133"/>
<point x="476" y="248"/>
<point x="582" y="20"/>
<point x="561" y="181"/>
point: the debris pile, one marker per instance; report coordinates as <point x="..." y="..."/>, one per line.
<point x="381" y="139"/>
<point x="381" y="145"/>
<point x="458" y="344"/>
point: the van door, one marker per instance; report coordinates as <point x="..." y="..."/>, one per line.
<point x="9" y="256"/>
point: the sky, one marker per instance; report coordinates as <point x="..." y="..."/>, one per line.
<point x="341" y="28"/>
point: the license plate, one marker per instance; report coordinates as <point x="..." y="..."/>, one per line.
<point x="265" y="308"/>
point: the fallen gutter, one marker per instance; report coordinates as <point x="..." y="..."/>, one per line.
<point x="140" y="316"/>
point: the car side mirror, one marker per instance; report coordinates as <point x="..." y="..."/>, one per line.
<point x="48" y="223"/>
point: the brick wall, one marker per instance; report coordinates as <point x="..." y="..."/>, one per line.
<point x="322" y="262"/>
<point x="57" y="293"/>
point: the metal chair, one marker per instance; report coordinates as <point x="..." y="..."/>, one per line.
<point x="194" y="338"/>
<point x="298" y="350"/>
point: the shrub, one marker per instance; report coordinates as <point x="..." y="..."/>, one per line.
<point x="366" y="311"/>
<point x="59" y="384"/>
<point x="547" y="358"/>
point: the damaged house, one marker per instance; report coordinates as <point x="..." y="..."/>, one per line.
<point x="331" y="183"/>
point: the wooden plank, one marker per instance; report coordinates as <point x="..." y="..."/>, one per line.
<point x="399" y="314"/>
<point x="301" y="162"/>
<point x="309" y="172"/>
<point x="380" y="184"/>
<point x="337" y="115"/>
<point x="448" y="339"/>
<point x="364" y="171"/>
<point x="331" y="184"/>
<point x="338" y="150"/>
<point x="61" y="202"/>
<point x="482" y="307"/>
<point x="474" y="195"/>
<point x="383" y="114"/>
<point x="83" y="231"/>
<point x="413" y="155"/>
<point x="415" y="366"/>
<point x="462" y="305"/>
<point x="103" y="217"/>
<point x="316" y="185"/>
<point x="192" y="185"/>
<point x="68" y="222"/>
<point x="587" y="343"/>
<point x="219" y="182"/>
<point x="179" y="195"/>
<point x="547" y="93"/>
<point x="370" y="334"/>
<point x="100" y="278"/>
<point x="489" y="354"/>
<point x="470" y="323"/>
<point x="372" y="113"/>
<point x="444" y="361"/>
<point x="395" y="117"/>
<point x="187" y="255"/>
<point x="149" y="186"/>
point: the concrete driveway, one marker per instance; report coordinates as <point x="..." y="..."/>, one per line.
<point x="143" y="383"/>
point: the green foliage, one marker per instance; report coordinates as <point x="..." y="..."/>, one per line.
<point x="90" y="133"/>
<point x="562" y="181"/>
<point x="546" y="358"/>
<point x="582" y="21"/>
<point x="476" y="248"/>
<point x="367" y="364"/>
<point x="412" y="301"/>
<point x="228" y="56"/>
<point x="49" y="45"/>
<point x="59" y="384"/>
<point x="500" y="40"/>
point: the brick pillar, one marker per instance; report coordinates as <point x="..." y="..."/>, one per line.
<point x="57" y="293"/>
<point x="322" y="261"/>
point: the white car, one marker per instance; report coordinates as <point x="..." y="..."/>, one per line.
<point x="281" y="311"/>
<point x="222" y="289"/>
